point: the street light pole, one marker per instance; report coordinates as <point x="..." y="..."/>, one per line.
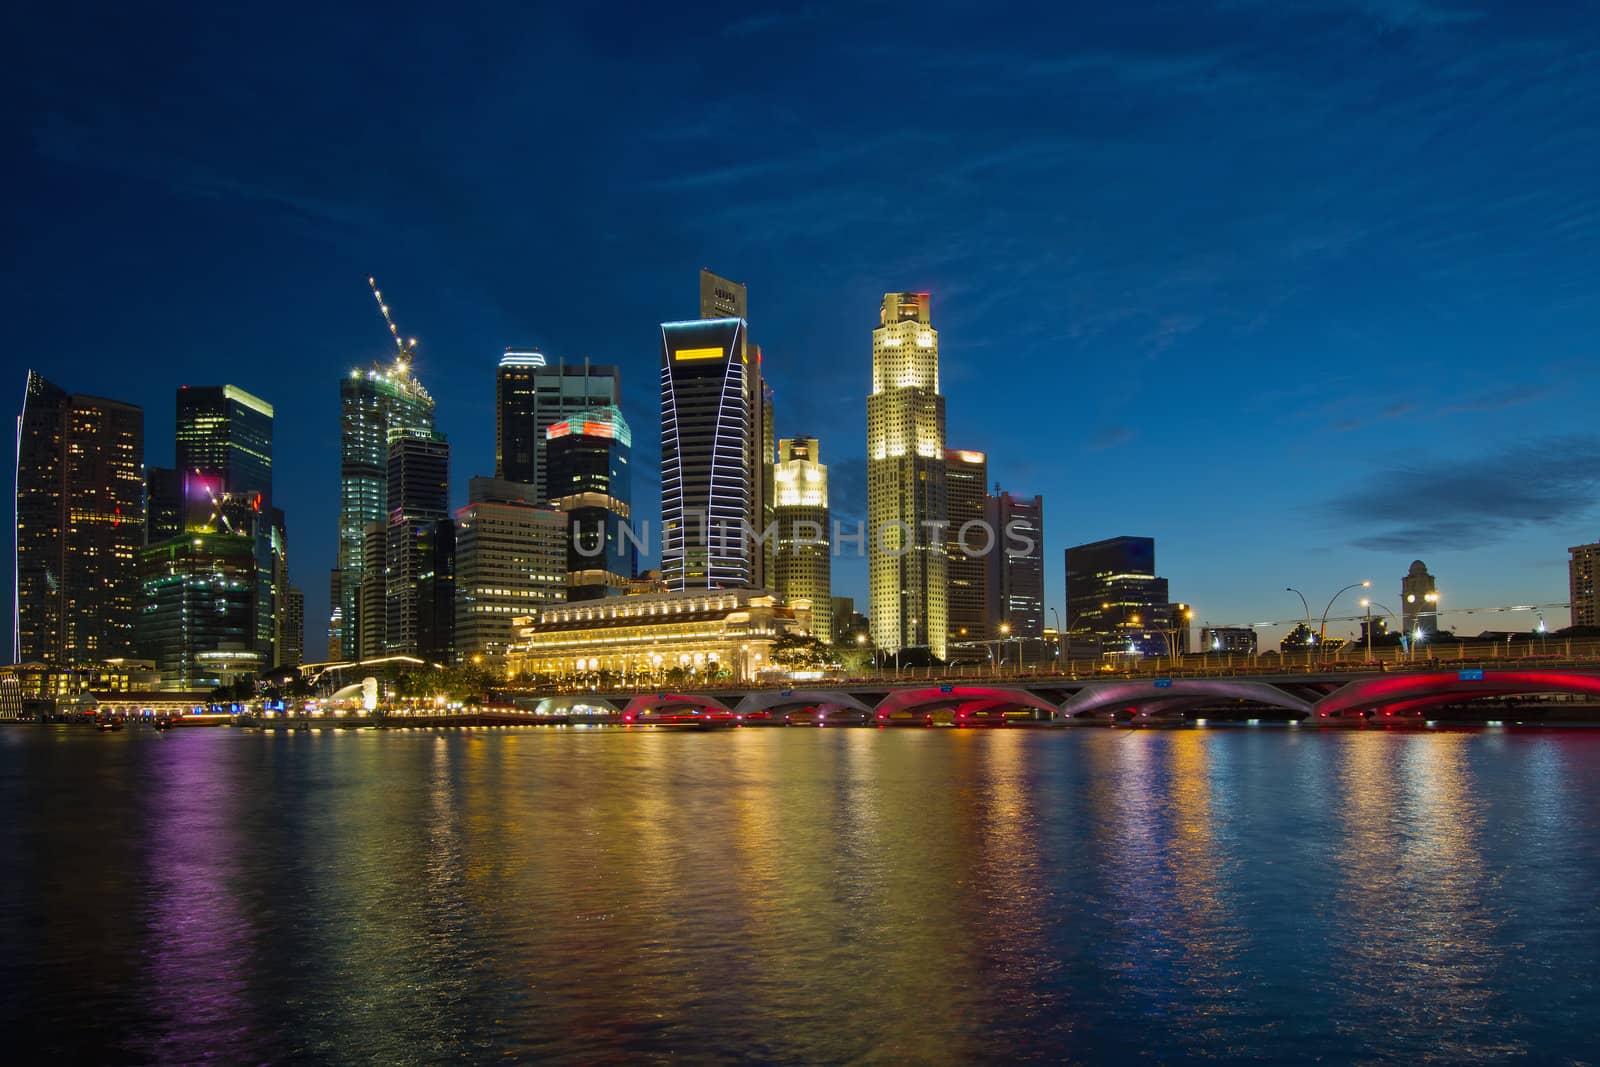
<point x="1060" y="636"/>
<point x="1302" y="596"/>
<point x="1322" y="632"/>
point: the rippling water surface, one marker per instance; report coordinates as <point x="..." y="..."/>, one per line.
<point x="800" y="895"/>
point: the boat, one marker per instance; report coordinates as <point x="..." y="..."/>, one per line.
<point x="203" y="719"/>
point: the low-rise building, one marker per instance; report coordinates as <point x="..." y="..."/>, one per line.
<point x="705" y="634"/>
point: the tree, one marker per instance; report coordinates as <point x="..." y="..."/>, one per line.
<point x="796" y="651"/>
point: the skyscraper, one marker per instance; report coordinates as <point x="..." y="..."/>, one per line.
<point x="1115" y="598"/>
<point x="966" y="476"/>
<point x="511" y="561"/>
<point x="197" y="608"/>
<point x="530" y="397"/>
<point x="1583" y="578"/>
<point x="709" y="448"/>
<point x="79" y="525"/>
<point x="165" y="511"/>
<point x="590" y="481"/>
<point x="223" y="445"/>
<point x="801" y="564"/>
<point x="418" y="554"/>
<point x="1017" y="568"/>
<point x="377" y="406"/>
<point x="722" y="298"/>
<point x="906" y="503"/>
<point x="225" y="434"/>
<point x="292" y="642"/>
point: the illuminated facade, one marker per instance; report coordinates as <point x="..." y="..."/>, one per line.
<point x="1230" y="640"/>
<point x="801" y="563"/>
<point x="709" y="460"/>
<point x="197" y="609"/>
<point x="1583" y="581"/>
<point x="223" y="444"/>
<point x="722" y="298"/>
<point x="641" y="639"/>
<point x="966" y="480"/>
<point x="1115" y="598"/>
<point x="511" y="561"/>
<point x="1016" y="567"/>
<point x="530" y="397"/>
<point x="377" y="406"/>
<point x="908" y="569"/>
<point x="1419" y="602"/>
<point x="591" y="482"/>
<point x="79" y="524"/>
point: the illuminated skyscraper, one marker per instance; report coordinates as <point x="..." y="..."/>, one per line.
<point x="709" y="455"/>
<point x="907" y="510"/>
<point x="967" y="490"/>
<point x="197" y="608"/>
<point x="802" y="566"/>
<point x="591" y="483"/>
<point x="722" y="298"/>
<point x="1115" y="599"/>
<point x="79" y="525"/>
<point x="511" y="562"/>
<point x="377" y="406"/>
<point x="223" y="444"/>
<point x="225" y="434"/>
<point x="530" y="397"/>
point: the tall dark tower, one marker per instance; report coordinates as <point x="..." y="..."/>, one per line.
<point x="79" y="522"/>
<point x="418" y="553"/>
<point x="530" y="397"/>
<point x="591" y="481"/>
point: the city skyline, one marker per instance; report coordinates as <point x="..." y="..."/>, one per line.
<point x="1371" y="382"/>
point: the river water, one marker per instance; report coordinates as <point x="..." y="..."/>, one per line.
<point x="1279" y="895"/>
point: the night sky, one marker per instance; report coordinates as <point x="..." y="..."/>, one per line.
<point x="1304" y="294"/>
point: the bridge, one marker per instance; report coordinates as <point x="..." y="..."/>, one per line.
<point x="1331" y="698"/>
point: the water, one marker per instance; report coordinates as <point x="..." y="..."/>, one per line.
<point x="799" y="895"/>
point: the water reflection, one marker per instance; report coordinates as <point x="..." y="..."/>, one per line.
<point x="1415" y="901"/>
<point x="800" y="896"/>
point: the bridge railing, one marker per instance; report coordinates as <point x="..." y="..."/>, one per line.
<point x="1553" y="653"/>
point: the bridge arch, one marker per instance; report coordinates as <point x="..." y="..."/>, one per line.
<point x="778" y="701"/>
<point x="965" y="703"/>
<point x="581" y="704"/>
<point x="676" y="708"/>
<point x="1149" y="701"/>
<point x="1409" y="694"/>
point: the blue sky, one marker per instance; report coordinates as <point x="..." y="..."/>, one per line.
<point x="1304" y="291"/>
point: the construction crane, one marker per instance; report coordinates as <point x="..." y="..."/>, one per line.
<point x="406" y="347"/>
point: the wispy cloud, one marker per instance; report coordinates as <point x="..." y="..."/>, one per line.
<point x="1109" y="437"/>
<point x="1466" y="502"/>
<point x="1343" y="421"/>
<point x="1394" y="14"/>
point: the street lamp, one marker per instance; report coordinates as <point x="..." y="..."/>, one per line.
<point x="1005" y="631"/>
<point x="1060" y="636"/>
<point x="1322" y="632"/>
<point x="1172" y="633"/>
